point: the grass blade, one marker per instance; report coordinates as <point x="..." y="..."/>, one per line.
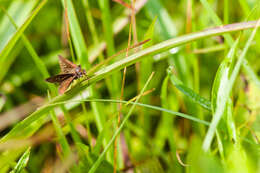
<point x="102" y="73"/>
<point x="19" y="10"/>
<point x="120" y="128"/>
<point x="107" y="24"/>
<point x="226" y="92"/>
<point x="22" y="163"/>
<point x="5" y="52"/>
<point x="76" y="34"/>
<point x="188" y="92"/>
<point x="228" y="37"/>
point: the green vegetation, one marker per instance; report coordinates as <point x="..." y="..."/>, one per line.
<point x="171" y="86"/>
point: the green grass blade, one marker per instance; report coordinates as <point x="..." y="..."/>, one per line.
<point x="225" y="93"/>
<point x="44" y="110"/>
<point x="38" y="62"/>
<point x="102" y="73"/>
<point x="107" y="24"/>
<point x="166" y="123"/>
<point x="222" y="77"/>
<point x="226" y="11"/>
<point x="245" y="7"/>
<point x="221" y="82"/>
<point x="155" y="8"/>
<point x="76" y="34"/>
<point x="188" y="92"/>
<point x="43" y="70"/>
<point x="189" y="117"/>
<point x="146" y="67"/>
<point x="120" y="128"/>
<point x="228" y="37"/>
<point x="5" y="52"/>
<point x="216" y="20"/>
<point x="231" y="126"/>
<point x="22" y="163"/>
<point x="92" y="27"/>
<point x="19" y="10"/>
<point x="61" y="137"/>
<point x="250" y="73"/>
<point x="108" y="32"/>
<point x="2" y="101"/>
<point x="81" y="51"/>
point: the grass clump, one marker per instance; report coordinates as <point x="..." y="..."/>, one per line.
<point x="182" y="96"/>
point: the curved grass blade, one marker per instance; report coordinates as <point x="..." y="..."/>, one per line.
<point x="188" y="92"/>
<point x="226" y="85"/>
<point x="37" y="60"/>
<point x="43" y="70"/>
<point x="22" y="163"/>
<point x="189" y="117"/>
<point x="19" y="10"/>
<point x="5" y="52"/>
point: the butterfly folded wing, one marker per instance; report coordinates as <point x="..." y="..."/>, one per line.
<point x="59" y="78"/>
<point x="66" y="66"/>
<point x="65" y="84"/>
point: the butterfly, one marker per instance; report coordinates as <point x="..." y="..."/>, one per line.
<point x="69" y="72"/>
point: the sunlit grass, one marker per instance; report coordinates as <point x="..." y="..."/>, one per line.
<point x="197" y="112"/>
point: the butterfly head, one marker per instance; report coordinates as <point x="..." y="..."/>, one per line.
<point x="79" y="71"/>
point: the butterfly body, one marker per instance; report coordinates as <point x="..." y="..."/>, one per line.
<point x="69" y="72"/>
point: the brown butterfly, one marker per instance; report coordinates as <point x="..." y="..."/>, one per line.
<point x="69" y="72"/>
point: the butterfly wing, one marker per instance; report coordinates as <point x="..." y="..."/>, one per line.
<point x="65" y="84"/>
<point x="66" y="66"/>
<point x="59" y="78"/>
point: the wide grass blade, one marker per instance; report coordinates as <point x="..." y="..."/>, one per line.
<point x="37" y="60"/>
<point x="107" y="25"/>
<point x="11" y="43"/>
<point x="76" y="34"/>
<point x="19" y="10"/>
<point x="225" y="89"/>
